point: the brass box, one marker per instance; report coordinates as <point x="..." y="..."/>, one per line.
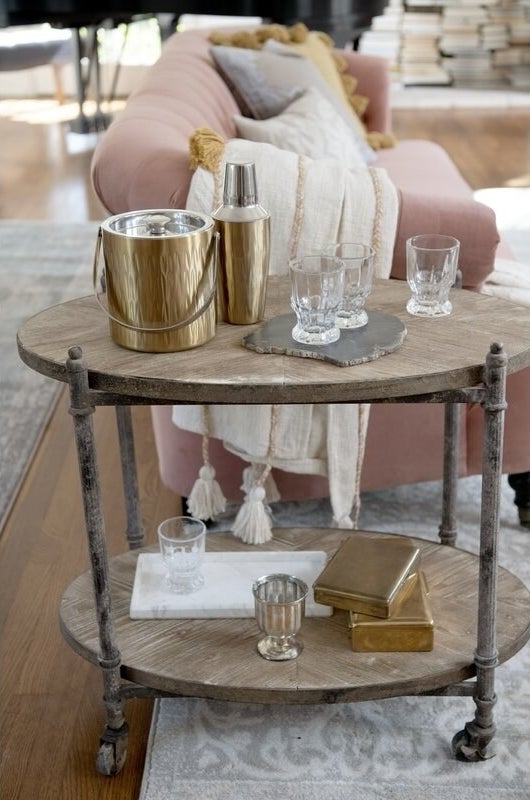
<point x="410" y="629"/>
<point x="368" y="574"/>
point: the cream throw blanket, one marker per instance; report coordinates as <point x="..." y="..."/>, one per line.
<point x="510" y="280"/>
<point x="312" y="203"/>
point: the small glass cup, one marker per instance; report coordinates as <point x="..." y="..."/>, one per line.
<point x="358" y="260"/>
<point x="317" y="283"/>
<point x="432" y="262"/>
<point x="182" y="542"/>
<point x="279" y="602"/>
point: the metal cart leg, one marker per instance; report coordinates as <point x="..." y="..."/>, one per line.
<point x="135" y="530"/>
<point x="448" y="528"/>
<point x="113" y="743"/>
<point x="471" y="744"/>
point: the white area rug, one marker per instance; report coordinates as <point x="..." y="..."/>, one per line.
<point x="397" y="748"/>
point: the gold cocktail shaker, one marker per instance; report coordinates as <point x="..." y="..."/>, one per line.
<point x="244" y="247"/>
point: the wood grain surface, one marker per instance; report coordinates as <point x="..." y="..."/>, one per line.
<point x="437" y="354"/>
<point x="217" y="658"/>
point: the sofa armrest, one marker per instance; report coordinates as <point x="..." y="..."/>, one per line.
<point x="373" y="80"/>
<point x="469" y="221"/>
<point x="142" y="161"/>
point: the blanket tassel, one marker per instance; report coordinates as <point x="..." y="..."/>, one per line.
<point x="253" y="524"/>
<point x="251" y="477"/>
<point x="206" y="500"/>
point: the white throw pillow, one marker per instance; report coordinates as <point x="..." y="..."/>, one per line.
<point x="309" y="126"/>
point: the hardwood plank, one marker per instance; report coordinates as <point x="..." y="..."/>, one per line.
<point x="44" y="172"/>
<point x="52" y="709"/>
<point x="489" y="146"/>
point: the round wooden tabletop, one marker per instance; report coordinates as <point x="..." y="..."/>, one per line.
<point x="217" y="658"/>
<point x="437" y="354"/>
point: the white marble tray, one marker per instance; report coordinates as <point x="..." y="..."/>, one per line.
<point x="227" y="590"/>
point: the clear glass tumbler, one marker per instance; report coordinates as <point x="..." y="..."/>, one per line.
<point x="279" y="602"/>
<point x="358" y="260"/>
<point x="182" y="543"/>
<point x="432" y="262"/>
<point x="317" y="284"/>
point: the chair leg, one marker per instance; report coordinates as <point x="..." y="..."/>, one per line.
<point x="58" y="79"/>
<point x="520" y="483"/>
<point x="185" y="510"/>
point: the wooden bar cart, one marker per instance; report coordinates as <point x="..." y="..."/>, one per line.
<point x="481" y="611"/>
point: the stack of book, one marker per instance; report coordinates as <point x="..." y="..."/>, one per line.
<point x="384" y="37"/>
<point x="471" y="32"/>
<point x="516" y="17"/>
<point x="473" y="68"/>
<point x="377" y="579"/>
<point x="420" y="58"/>
<point x="477" y="43"/>
<point x="494" y="37"/>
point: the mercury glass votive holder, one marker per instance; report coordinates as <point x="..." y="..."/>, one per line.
<point x="279" y="602"/>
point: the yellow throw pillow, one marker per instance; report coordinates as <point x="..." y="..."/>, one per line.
<point x="319" y="48"/>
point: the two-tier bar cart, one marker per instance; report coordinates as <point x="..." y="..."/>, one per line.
<point x="481" y="611"/>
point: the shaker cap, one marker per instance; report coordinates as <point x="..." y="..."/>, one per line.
<point x="240" y="184"/>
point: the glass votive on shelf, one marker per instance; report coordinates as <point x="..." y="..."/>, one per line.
<point x="358" y="261"/>
<point x="182" y="543"/>
<point x="432" y="263"/>
<point x="279" y="602"/>
<point x="317" y="283"/>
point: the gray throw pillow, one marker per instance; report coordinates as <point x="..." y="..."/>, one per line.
<point x="264" y="82"/>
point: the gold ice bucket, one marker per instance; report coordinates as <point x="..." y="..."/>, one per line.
<point x="159" y="279"/>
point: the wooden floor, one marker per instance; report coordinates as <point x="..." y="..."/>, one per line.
<point x="51" y="699"/>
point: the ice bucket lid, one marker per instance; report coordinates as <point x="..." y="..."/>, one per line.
<point x="157" y="223"/>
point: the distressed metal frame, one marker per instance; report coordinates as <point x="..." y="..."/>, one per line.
<point x="472" y="743"/>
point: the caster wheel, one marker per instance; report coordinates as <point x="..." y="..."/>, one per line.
<point x="468" y="748"/>
<point x="106" y="762"/>
<point x="112" y="751"/>
<point x="460" y="746"/>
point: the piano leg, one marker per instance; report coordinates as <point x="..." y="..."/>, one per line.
<point x="89" y="50"/>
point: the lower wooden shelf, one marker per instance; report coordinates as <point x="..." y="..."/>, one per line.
<point x="218" y="659"/>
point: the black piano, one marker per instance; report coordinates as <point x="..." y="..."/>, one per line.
<point x="343" y="20"/>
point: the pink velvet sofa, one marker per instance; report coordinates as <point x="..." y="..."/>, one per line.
<point x="142" y="161"/>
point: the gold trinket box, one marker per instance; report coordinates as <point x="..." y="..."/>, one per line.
<point x="410" y="629"/>
<point x="368" y="574"/>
